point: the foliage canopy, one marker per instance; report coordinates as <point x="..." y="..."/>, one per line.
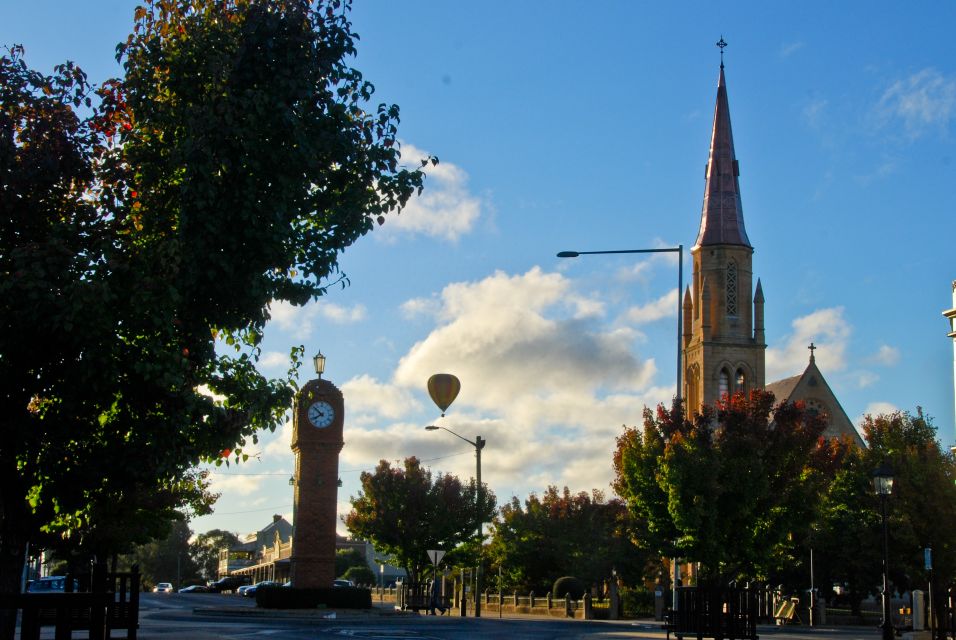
<point x="405" y="512"/>
<point x="559" y="534"/>
<point x="151" y="222"/>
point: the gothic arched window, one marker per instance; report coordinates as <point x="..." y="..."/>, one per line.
<point x="723" y="388"/>
<point x="741" y="380"/>
<point x="732" y="288"/>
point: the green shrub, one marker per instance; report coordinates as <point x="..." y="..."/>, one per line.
<point x="360" y="575"/>
<point x="568" y="585"/>
<point x="296" y="598"/>
<point x="637" y="603"/>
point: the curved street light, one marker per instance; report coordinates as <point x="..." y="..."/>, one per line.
<point x="679" y="250"/>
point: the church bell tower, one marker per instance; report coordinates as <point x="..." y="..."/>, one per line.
<point x="723" y="333"/>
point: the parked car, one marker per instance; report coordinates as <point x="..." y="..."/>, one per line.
<point x="196" y="588"/>
<point x="250" y="591"/>
<point x="50" y="584"/>
<point x="342" y="583"/>
<point x="163" y="587"/>
<point x="228" y="583"/>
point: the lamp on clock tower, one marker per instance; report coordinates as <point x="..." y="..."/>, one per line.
<point x="316" y="442"/>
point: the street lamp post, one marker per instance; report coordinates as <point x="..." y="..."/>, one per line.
<point x="478" y="444"/>
<point x="679" y="250"/>
<point x="883" y="484"/>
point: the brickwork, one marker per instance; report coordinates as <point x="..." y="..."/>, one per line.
<point x="316" y="451"/>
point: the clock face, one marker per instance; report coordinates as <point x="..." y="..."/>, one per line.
<point x="321" y="414"/>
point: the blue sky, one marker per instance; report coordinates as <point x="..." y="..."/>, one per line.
<point x="564" y="125"/>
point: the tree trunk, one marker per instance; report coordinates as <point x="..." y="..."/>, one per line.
<point x="13" y="547"/>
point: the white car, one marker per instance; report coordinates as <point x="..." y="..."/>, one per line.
<point x="163" y="587"/>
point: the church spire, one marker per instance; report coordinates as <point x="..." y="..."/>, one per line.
<point x="722" y="218"/>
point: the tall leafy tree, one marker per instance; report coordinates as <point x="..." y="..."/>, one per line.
<point x="235" y="160"/>
<point x="922" y="508"/>
<point x="205" y="549"/>
<point x="404" y="512"/>
<point x="732" y="489"/>
<point x="846" y="536"/>
<point x="167" y="559"/>
<point x="559" y="534"/>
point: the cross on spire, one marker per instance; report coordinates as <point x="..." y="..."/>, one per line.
<point x="721" y="44"/>
<point x="812" y="348"/>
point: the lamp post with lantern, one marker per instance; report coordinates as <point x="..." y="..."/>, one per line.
<point x="883" y="485"/>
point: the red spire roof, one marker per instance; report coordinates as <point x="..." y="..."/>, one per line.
<point x="722" y="218"/>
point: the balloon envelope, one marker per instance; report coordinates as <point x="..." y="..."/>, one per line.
<point x="443" y="388"/>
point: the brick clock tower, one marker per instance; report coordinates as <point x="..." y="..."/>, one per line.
<point x="316" y="442"/>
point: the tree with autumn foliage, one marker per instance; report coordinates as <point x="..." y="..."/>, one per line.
<point x="563" y="534"/>
<point x="734" y="489"/>
<point x="404" y="512"/>
<point x="151" y="222"/>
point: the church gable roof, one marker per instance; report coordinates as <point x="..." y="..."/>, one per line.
<point x="783" y="389"/>
<point x="722" y="217"/>
<point x="812" y="388"/>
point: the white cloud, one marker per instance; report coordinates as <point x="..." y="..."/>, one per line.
<point x="886" y="355"/>
<point x="228" y="482"/>
<point x="279" y="445"/>
<point x="876" y="408"/>
<point x="789" y="48"/>
<point x="273" y="360"/>
<point x="542" y="381"/>
<point x="301" y="321"/>
<point x="639" y="272"/>
<point x="663" y="307"/>
<point x="547" y="381"/>
<point x="646" y="262"/>
<point x="924" y="100"/>
<point x="366" y="395"/>
<point x="445" y="209"/>
<point x="814" y="111"/>
<point x="497" y="337"/>
<point x="418" y="307"/>
<point x="865" y="379"/>
<point x="826" y="329"/>
<point x="206" y="391"/>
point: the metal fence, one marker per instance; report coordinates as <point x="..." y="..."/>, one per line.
<point x="715" y="612"/>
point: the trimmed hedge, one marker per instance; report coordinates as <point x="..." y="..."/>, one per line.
<point x="276" y="597"/>
<point x="568" y="585"/>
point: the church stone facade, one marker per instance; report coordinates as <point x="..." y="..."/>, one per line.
<point x="723" y="339"/>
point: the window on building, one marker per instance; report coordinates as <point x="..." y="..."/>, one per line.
<point x="741" y="380"/>
<point x="724" y="386"/>
<point x="815" y="407"/>
<point x="732" y="288"/>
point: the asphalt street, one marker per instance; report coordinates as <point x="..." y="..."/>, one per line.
<point x="225" y="617"/>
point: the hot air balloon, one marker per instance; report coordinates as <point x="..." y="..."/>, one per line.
<point x="443" y="388"/>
